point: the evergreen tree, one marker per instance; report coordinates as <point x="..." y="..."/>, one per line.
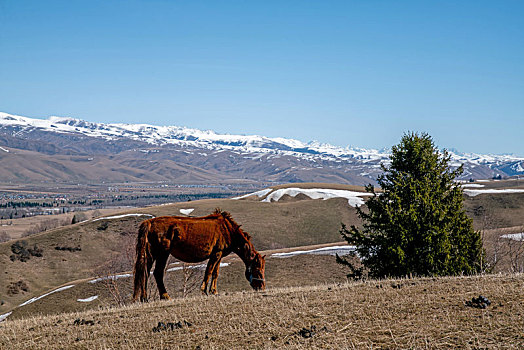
<point x="416" y="225"/>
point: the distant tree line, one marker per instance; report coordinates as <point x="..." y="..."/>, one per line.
<point x="174" y="197"/>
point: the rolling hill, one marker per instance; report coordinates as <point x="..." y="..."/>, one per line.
<point x="77" y="251"/>
<point x="278" y="218"/>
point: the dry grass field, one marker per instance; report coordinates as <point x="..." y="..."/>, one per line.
<point x="271" y="225"/>
<point x="426" y="313"/>
<point x="308" y="302"/>
<point x="292" y="271"/>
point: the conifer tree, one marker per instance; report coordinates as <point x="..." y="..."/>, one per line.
<point x="416" y="225"/>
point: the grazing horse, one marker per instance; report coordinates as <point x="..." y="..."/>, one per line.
<point x="193" y="240"/>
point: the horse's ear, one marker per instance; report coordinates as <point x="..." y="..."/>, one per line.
<point x="264" y="256"/>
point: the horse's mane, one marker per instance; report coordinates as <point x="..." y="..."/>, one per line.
<point x="227" y="216"/>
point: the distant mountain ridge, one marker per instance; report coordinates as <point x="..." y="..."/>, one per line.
<point x="208" y="155"/>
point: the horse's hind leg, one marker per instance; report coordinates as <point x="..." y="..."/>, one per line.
<point x="143" y="295"/>
<point x="161" y="262"/>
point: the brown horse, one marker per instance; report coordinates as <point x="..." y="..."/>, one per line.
<point x="193" y="240"/>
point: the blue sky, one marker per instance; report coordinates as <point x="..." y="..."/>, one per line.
<point x="357" y="73"/>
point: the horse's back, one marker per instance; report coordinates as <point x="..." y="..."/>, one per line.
<point x="190" y="239"/>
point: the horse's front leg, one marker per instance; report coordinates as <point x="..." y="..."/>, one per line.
<point x="213" y="259"/>
<point x="214" y="277"/>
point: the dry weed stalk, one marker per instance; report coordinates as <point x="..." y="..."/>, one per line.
<point x="4" y="236"/>
<point x="120" y="262"/>
<point x="515" y="252"/>
<point x="190" y="281"/>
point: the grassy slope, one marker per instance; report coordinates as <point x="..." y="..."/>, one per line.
<point x="503" y="210"/>
<point x="418" y="313"/>
<point x="281" y="272"/>
<point x="273" y="225"/>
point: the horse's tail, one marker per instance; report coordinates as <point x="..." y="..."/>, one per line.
<point x="143" y="253"/>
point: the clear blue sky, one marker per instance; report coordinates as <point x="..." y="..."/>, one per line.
<point x="354" y="73"/>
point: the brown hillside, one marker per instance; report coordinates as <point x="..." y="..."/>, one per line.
<point x="272" y="225"/>
<point x="418" y="313"/>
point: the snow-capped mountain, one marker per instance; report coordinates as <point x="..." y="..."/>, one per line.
<point x="206" y="154"/>
<point x="186" y="137"/>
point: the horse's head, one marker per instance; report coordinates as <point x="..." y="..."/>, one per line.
<point x="255" y="272"/>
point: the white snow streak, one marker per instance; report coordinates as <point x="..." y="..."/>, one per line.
<point x="473" y="185"/>
<point x="4" y="316"/>
<point x="473" y="193"/>
<point x="87" y="300"/>
<point x="514" y="236"/>
<point x="200" y="266"/>
<point x="114" y="277"/>
<point x="32" y="300"/>
<point x="122" y="216"/>
<point x="339" y="249"/>
<point x="3" y="149"/>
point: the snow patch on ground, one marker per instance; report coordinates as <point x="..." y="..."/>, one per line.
<point x="473" y="185"/>
<point x="200" y="267"/>
<point x="473" y="193"/>
<point x="354" y="198"/>
<point x="32" y="300"/>
<point x="514" y="236"/>
<point x="187" y="211"/>
<point x="259" y="194"/>
<point x="88" y="300"/>
<point x="122" y="216"/>
<point x="339" y="249"/>
<point x="114" y="277"/>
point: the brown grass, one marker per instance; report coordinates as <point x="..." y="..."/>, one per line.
<point x="280" y="273"/>
<point x="272" y="226"/>
<point x="16" y="228"/>
<point x="415" y="313"/>
<point x="495" y="210"/>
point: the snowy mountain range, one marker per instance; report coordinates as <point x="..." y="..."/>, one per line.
<point x="205" y="154"/>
